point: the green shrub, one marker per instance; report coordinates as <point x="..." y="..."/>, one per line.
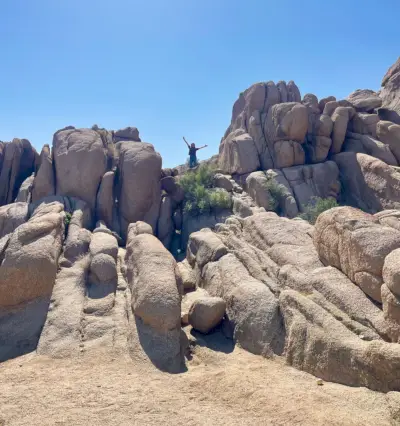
<point x="200" y="196"/>
<point x="276" y="191"/>
<point x="67" y="218"/>
<point x="220" y="200"/>
<point x="317" y="206"/>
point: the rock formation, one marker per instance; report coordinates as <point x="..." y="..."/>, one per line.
<point x="91" y="231"/>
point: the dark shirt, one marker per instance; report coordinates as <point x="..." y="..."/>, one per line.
<point x="192" y="151"/>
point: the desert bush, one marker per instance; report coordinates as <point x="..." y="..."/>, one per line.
<point x="200" y="196"/>
<point x="317" y="206"/>
<point x="276" y="191"/>
<point x="67" y="218"/>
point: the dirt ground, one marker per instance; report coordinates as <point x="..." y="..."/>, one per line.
<point x="223" y="386"/>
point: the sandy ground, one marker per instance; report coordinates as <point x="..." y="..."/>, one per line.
<point x="227" y="386"/>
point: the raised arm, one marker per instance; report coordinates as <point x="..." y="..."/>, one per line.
<point x="186" y="142"/>
<point x="204" y="146"/>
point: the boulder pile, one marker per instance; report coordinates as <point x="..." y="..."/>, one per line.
<point x="101" y="248"/>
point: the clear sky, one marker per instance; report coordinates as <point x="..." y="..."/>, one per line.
<point x="174" y="68"/>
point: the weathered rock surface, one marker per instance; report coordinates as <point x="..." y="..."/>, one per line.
<point x="139" y="191"/>
<point x="29" y="266"/>
<point x="126" y="134"/>
<point x="154" y="280"/>
<point x="389" y="133"/>
<point x="365" y="100"/>
<point x="206" y="313"/>
<point x="80" y="161"/>
<point x="390" y="91"/>
<point x="366" y="144"/>
<point x="44" y="185"/>
<point x="12" y="216"/>
<point x="368" y="183"/>
<point x="353" y="242"/>
<point x="105" y="206"/>
<point x="18" y="161"/>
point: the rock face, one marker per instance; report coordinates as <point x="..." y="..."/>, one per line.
<point x="80" y="160"/>
<point x="353" y="242"/>
<point x="369" y="184"/>
<point x="31" y="256"/>
<point x="44" y="185"/>
<point x="256" y="262"/>
<point x="390" y="92"/>
<point x="296" y="187"/>
<point x="18" y="161"/>
<point x="267" y="127"/>
<point x="28" y="265"/>
<point x="365" y="144"/>
<point x="155" y="283"/>
<point x="389" y="133"/>
<point x="138" y="163"/>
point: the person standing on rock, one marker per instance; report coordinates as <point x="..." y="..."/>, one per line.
<point x="192" y="153"/>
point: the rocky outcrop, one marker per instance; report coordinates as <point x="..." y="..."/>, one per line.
<point x="365" y="144"/>
<point x="353" y="242"/>
<point x="80" y="161"/>
<point x="155" y="283"/>
<point x="126" y="134"/>
<point x="139" y="192"/>
<point x="29" y="255"/>
<point x="44" y="185"/>
<point x="364" y="100"/>
<point x="250" y="141"/>
<point x="18" y="162"/>
<point x="368" y="183"/>
<point x="291" y="189"/>
<point x="389" y="133"/>
<point x="390" y="91"/>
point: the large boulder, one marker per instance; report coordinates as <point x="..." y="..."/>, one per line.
<point x="139" y="192"/>
<point x="389" y="133"/>
<point x="391" y="271"/>
<point x="29" y="267"/>
<point x="105" y="199"/>
<point x="25" y="191"/>
<point x="18" y="162"/>
<point x="353" y="242"/>
<point x="80" y="161"/>
<point x="314" y="180"/>
<point x="238" y="153"/>
<point x="126" y="134"/>
<point x="323" y="345"/>
<point x="153" y="277"/>
<point x="340" y="118"/>
<point x="272" y="191"/>
<point x="43" y="185"/>
<point x="390" y="91"/>
<point x="365" y="144"/>
<point x="287" y="121"/>
<point x="251" y="308"/>
<point x="364" y="123"/>
<point x="12" y="216"/>
<point x="368" y="183"/>
<point x="365" y="100"/>
<point x="246" y="146"/>
<point x="165" y="225"/>
<point x="206" y="313"/>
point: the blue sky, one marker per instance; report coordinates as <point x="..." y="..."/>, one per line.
<point x="174" y="68"/>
